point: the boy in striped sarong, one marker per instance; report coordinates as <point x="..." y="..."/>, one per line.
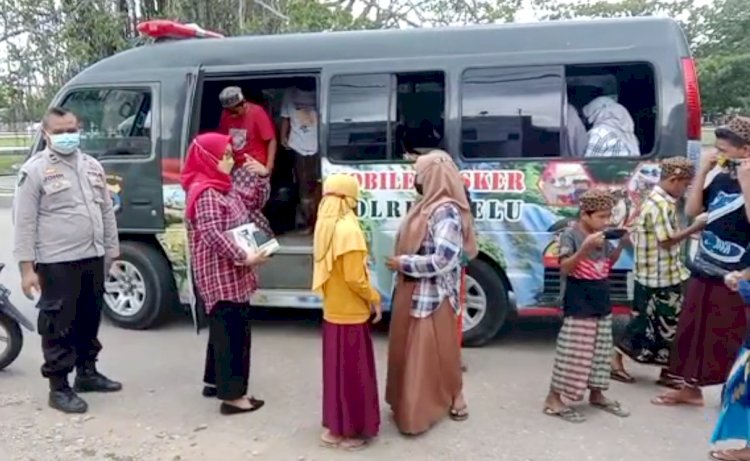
<point x="585" y="344"/>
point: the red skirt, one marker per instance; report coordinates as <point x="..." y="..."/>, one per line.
<point x="351" y="407"/>
<point x="710" y="332"/>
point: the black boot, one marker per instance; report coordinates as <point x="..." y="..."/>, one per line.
<point x="90" y="380"/>
<point x="67" y="401"/>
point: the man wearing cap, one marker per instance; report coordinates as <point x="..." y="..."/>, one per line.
<point x="713" y="324"/>
<point x="250" y="127"/>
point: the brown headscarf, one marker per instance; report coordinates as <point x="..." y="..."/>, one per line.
<point x="441" y="183"/>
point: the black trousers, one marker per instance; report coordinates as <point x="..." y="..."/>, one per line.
<point x="70" y="312"/>
<point x="228" y="352"/>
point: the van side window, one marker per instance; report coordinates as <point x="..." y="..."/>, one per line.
<point x="511" y="112"/>
<point x="359" y="117"/>
<point x="383" y="117"/>
<point x="632" y="86"/>
<point x="114" y="122"/>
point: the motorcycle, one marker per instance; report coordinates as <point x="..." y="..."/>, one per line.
<point x="11" y="320"/>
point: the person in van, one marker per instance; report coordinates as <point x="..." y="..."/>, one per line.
<point x="224" y="273"/>
<point x="250" y="127"/>
<point x="576" y="137"/>
<point x="612" y="132"/>
<point x="299" y="133"/>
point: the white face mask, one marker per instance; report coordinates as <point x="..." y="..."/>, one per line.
<point x="64" y="143"/>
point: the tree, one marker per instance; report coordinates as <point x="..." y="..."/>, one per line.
<point x="49" y="41"/>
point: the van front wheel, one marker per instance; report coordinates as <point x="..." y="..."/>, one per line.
<point x="138" y="289"/>
<point x="486" y="307"/>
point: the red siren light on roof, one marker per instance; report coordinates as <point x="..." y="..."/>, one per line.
<point x="162" y="29"/>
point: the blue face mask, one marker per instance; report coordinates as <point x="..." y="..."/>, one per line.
<point x="65" y="143"/>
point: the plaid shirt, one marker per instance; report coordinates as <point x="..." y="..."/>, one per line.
<point x="254" y="192"/>
<point x="606" y="143"/>
<point x="657" y="267"/>
<point x="437" y="264"/>
<point x="214" y="256"/>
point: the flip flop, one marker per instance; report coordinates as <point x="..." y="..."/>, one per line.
<point x="612" y="407"/>
<point x="325" y="443"/>
<point x="459" y="414"/>
<point x="726" y="455"/>
<point x="567" y="414"/>
<point x="353" y="445"/>
<point x="622" y="376"/>
<point x="669" y="383"/>
<point x="667" y="401"/>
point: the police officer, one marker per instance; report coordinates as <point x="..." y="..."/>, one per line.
<point x="65" y="241"/>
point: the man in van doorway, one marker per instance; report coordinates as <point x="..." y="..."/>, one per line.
<point x="299" y="133"/>
<point x="250" y="127"/>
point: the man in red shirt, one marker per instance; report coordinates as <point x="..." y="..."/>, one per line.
<point x="250" y="127"/>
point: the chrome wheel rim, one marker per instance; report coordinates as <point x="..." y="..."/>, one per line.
<point x="125" y="289"/>
<point x="475" y="307"/>
<point x="4" y="341"/>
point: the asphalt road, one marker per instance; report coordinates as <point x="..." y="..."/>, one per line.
<point x="161" y="416"/>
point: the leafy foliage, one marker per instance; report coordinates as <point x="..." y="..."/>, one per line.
<point x="45" y="42"/>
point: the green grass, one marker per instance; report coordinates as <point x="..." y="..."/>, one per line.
<point x="8" y="161"/>
<point x="19" y="141"/>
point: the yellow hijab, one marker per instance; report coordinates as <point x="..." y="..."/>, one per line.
<point x="337" y="230"/>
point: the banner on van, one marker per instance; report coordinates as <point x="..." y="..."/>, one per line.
<point x="388" y="194"/>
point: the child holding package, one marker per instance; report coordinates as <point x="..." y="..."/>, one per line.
<point x="585" y="345"/>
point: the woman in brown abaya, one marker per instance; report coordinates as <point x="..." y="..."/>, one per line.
<point x="424" y="359"/>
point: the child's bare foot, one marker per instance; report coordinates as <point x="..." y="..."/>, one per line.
<point x="597" y="399"/>
<point x="732" y="454"/>
<point x="686" y="396"/>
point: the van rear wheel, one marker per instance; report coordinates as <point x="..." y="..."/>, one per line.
<point x="139" y="290"/>
<point x="487" y="304"/>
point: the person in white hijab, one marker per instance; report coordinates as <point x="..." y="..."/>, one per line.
<point x="612" y="132"/>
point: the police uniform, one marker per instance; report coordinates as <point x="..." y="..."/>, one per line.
<point x="65" y="224"/>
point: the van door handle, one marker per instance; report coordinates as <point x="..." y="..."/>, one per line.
<point x="140" y="201"/>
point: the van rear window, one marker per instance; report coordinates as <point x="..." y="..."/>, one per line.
<point x="558" y="111"/>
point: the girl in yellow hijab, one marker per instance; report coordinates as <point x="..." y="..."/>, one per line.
<point x="351" y="409"/>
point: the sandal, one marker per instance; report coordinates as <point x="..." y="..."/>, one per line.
<point x="325" y="443"/>
<point x="566" y="414"/>
<point x="669" y="382"/>
<point x="622" y="376"/>
<point x="353" y="444"/>
<point x="666" y="400"/>
<point x="725" y="455"/>
<point x="612" y="407"/>
<point x="459" y="414"/>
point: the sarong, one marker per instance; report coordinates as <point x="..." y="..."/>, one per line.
<point x="351" y="405"/>
<point x="710" y="332"/>
<point x="649" y="335"/>
<point x="583" y="356"/>
<point x="424" y="363"/>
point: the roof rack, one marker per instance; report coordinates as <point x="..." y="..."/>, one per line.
<point x="162" y="30"/>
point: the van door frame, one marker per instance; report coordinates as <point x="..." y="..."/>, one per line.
<point x="193" y="90"/>
<point x="380" y="66"/>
